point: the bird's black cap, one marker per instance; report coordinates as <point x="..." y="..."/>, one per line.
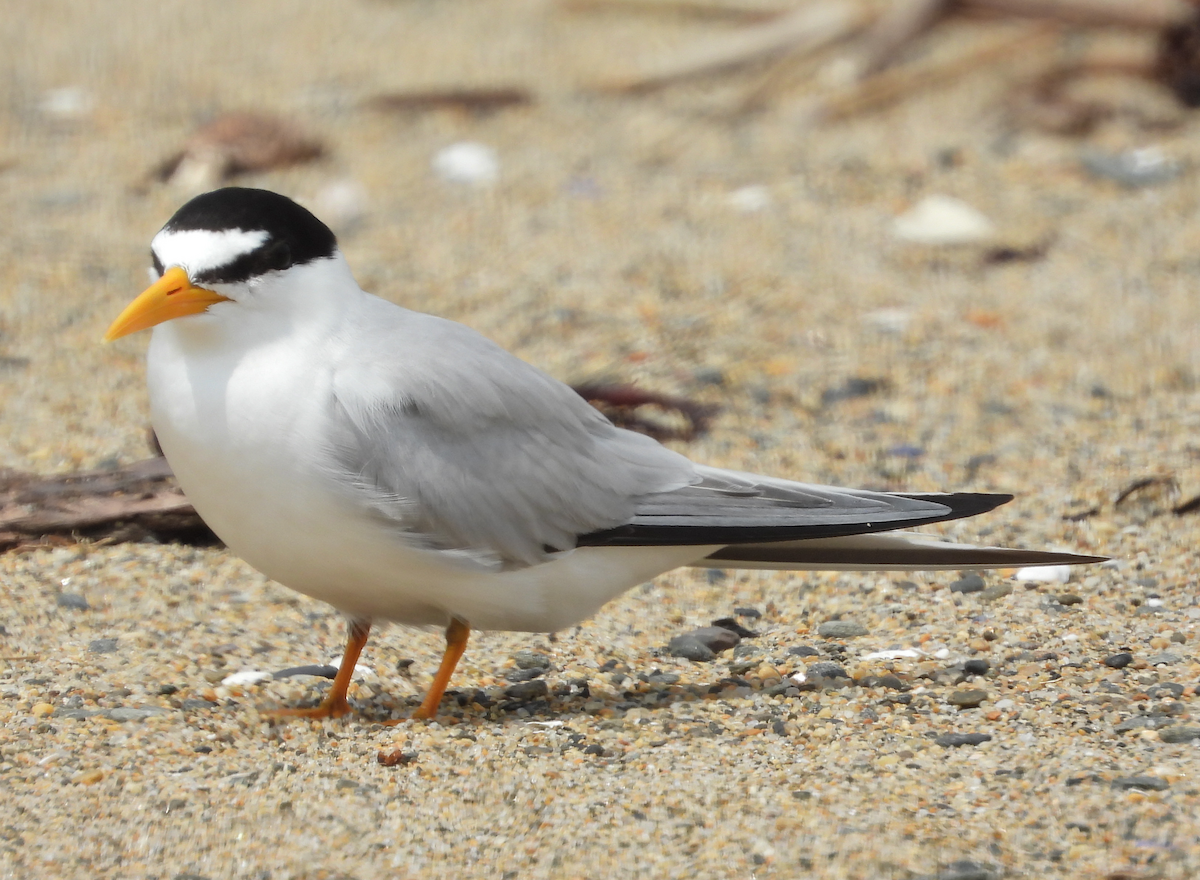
<point x="294" y="235"/>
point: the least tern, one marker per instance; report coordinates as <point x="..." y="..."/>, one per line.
<point x="402" y="467"/>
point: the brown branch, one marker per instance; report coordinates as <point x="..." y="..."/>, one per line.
<point x="480" y="99"/>
<point x="803" y="31"/>
<point x="891" y="85"/>
<point x="1116" y="13"/>
<point x="134" y="502"/>
<point x="902" y="23"/>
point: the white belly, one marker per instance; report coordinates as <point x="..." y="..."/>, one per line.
<point x="238" y="430"/>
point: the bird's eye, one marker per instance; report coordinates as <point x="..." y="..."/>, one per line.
<point x="158" y="266"/>
<point x="277" y="255"/>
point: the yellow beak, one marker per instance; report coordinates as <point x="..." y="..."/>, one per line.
<point x="171" y="296"/>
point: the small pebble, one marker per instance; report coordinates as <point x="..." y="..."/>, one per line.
<point x="733" y="626"/>
<point x="954" y="740"/>
<point x="102" y="646"/>
<point x="129" y="713"/>
<point x="841" y="629"/>
<point x="1179" y="734"/>
<point x="970" y="583"/>
<point x="517" y="675"/>
<point x="976" y="667"/>
<point x="531" y="660"/>
<point x="1148" y="166"/>
<point x="969" y="699"/>
<point x="527" y="690"/>
<point x="965" y="869"/>
<point x="1149" y="783"/>
<point x="1119" y="661"/>
<point x="826" y="669"/>
<point x="72" y="600"/>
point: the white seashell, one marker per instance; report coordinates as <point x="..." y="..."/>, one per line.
<point x="245" y="677"/>
<point x="898" y="654"/>
<point x="467" y="162"/>
<point x="942" y="220"/>
<point x="1045" y="574"/>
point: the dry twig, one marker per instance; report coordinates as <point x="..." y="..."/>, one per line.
<point x="129" y="503"/>
<point x="802" y="32"/>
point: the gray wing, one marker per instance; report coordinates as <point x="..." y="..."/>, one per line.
<point x="465" y="446"/>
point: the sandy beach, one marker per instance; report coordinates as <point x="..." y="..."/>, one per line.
<point x="745" y="261"/>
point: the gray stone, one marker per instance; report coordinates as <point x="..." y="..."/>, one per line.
<point x="841" y="629"/>
<point x="1148" y="166"/>
<point x="1069" y="599"/>
<point x="1165" y="689"/>
<point x="102" y="646"/>
<point x="130" y="713"/>
<point x="527" y="690"/>
<point x="826" y="669"/>
<point x="976" y="667"/>
<point x="1166" y="658"/>
<point x="1119" y="661"/>
<point x="196" y="703"/>
<point x="968" y="583"/>
<point x="716" y="638"/>
<point x="72" y="600"/>
<point x="1180" y="733"/>
<point x="1142" y="722"/>
<point x="525" y="674"/>
<point x="965" y="869"/>
<point x="690" y="648"/>
<point x="997" y="591"/>
<point x="531" y="660"/>
<point x="968" y="699"/>
<point x="954" y="740"/>
<point x="1150" y="783"/>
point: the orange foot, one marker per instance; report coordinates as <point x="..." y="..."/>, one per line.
<point x="457" y="634"/>
<point x="335" y="704"/>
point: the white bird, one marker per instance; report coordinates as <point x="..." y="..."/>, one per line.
<point x="402" y="467"/>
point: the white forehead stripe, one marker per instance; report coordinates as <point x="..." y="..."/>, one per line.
<point x="199" y="250"/>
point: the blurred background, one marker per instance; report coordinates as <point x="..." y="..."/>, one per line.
<point x="919" y="245"/>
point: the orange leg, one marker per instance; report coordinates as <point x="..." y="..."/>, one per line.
<point x="456" y="642"/>
<point x="335" y="704"/>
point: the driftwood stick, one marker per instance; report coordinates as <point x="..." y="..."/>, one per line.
<point x="894" y="84"/>
<point x="471" y="99"/>
<point x="807" y="30"/>
<point x="896" y="29"/>
<point x="1117" y="13"/>
<point x="713" y="9"/>
<point x="134" y="502"/>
